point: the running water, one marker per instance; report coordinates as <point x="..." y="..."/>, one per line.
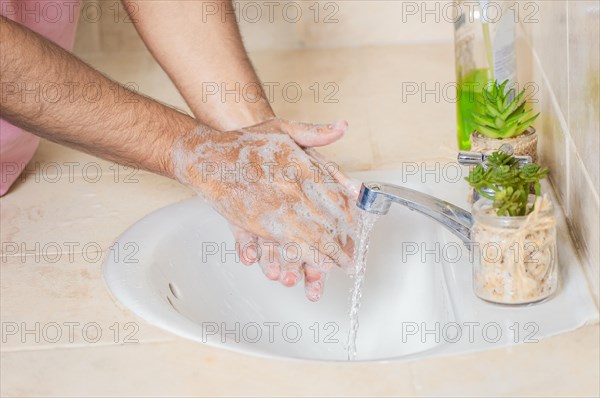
<point x="366" y="222"/>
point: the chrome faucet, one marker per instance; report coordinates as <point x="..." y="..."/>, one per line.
<point x="377" y="198"/>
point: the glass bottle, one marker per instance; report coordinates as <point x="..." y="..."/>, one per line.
<point x="484" y="45"/>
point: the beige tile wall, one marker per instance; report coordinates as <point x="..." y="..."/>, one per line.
<point x="358" y="54"/>
<point x="286" y="24"/>
<point x="566" y="66"/>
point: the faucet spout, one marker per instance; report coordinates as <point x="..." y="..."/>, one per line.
<point x="377" y="198"/>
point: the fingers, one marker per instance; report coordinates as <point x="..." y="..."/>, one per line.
<point x="291" y="274"/>
<point x="343" y="260"/>
<point x="277" y="266"/>
<point x="289" y="271"/>
<point x="316" y="268"/>
<point x="351" y="185"/>
<point x="330" y="252"/>
<point x="314" y="282"/>
<point x="246" y="244"/>
<point x="269" y="261"/>
<point x="308" y="135"/>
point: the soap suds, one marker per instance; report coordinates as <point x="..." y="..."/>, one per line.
<point x="306" y="206"/>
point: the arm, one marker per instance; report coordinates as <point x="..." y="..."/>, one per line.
<point x="311" y="211"/>
<point x="74" y="105"/>
<point x="199" y="45"/>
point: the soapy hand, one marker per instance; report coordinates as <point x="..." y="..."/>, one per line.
<point x="290" y="210"/>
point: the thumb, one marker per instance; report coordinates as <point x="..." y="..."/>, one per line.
<point x="309" y="135"/>
<point x="351" y="184"/>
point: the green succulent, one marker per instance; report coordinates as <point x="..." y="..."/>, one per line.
<point x="502" y="117"/>
<point x="500" y="158"/>
<point x="502" y="180"/>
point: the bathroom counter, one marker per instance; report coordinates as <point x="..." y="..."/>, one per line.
<point x="64" y="335"/>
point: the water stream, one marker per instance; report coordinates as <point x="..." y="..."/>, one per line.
<point x="366" y="222"/>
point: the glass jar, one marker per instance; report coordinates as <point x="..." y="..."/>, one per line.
<point x="523" y="145"/>
<point x="514" y="257"/>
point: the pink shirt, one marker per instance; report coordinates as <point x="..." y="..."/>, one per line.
<point x="57" y="21"/>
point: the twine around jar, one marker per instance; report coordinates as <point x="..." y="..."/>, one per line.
<point x="538" y="221"/>
<point x="523" y="145"/>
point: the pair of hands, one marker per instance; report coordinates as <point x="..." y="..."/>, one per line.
<point x="290" y="211"/>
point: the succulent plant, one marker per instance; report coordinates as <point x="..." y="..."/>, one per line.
<point x="502" y="180"/>
<point x="502" y="117"/>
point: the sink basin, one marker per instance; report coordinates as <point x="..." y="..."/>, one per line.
<point x="176" y="269"/>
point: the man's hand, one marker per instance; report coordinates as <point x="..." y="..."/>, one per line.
<point x="290" y="212"/>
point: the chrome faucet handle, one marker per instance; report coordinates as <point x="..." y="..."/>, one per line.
<point x="468" y="158"/>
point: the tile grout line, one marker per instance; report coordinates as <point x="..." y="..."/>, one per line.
<point x="28" y="174"/>
<point x="568" y="116"/>
<point x="375" y="155"/>
<point x="50" y="347"/>
<point x="413" y="380"/>
<point x="558" y="114"/>
<point x="5" y="257"/>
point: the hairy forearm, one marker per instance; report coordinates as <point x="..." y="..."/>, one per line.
<point x="51" y="93"/>
<point x="199" y="45"/>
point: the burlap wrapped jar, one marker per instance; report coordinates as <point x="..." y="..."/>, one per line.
<point x="523" y="145"/>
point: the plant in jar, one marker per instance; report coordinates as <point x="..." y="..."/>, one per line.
<point x="504" y="118"/>
<point x="514" y="232"/>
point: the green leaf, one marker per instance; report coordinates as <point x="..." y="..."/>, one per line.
<point x="499" y="123"/>
<point x="485" y="194"/>
<point x="530" y="121"/>
<point x="503" y="87"/>
<point x="522" y="127"/>
<point x="515" y="117"/>
<point x="489" y="97"/>
<point x="482" y="119"/>
<point x="508" y="131"/>
<point x="513" y="105"/>
<point x="506" y="98"/>
<point x="493" y="111"/>
<point x="519" y="111"/>
<point x="489" y="132"/>
<point x="496" y="159"/>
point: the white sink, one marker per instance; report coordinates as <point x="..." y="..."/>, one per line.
<point x="165" y="274"/>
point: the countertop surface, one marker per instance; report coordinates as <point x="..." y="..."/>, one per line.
<point x="64" y="335"/>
